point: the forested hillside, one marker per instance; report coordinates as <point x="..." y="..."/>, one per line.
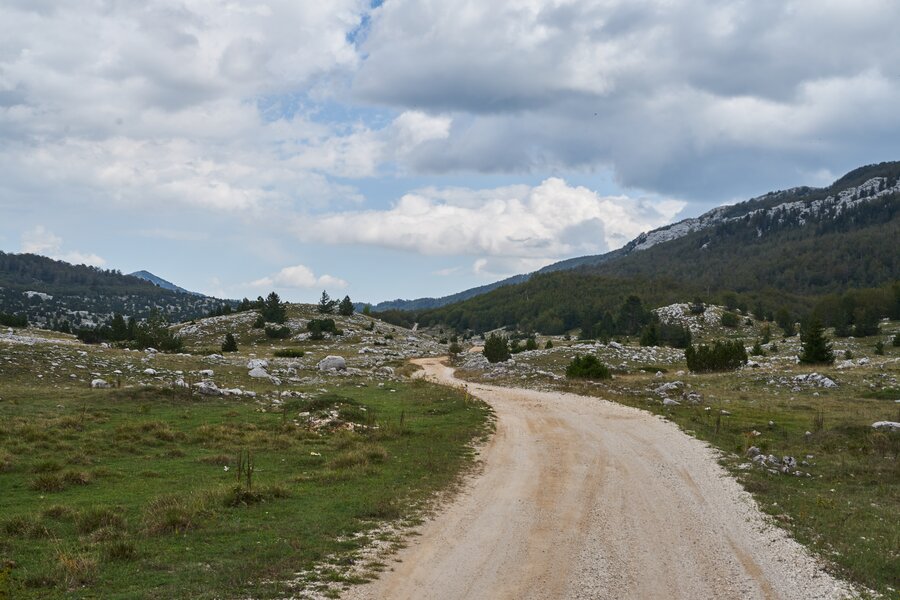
<point x="54" y="294"/>
<point x="788" y="256"/>
<point x="787" y="208"/>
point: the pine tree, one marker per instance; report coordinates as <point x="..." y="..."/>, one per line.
<point x="496" y="348"/>
<point x="326" y="304"/>
<point x="816" y="348"/>
<point x="273" y="310"/>
<point x="230" y="344"/>
<point x="346" y="307"/>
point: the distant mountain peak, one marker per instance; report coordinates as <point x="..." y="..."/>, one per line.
<point x="159" y="281"/>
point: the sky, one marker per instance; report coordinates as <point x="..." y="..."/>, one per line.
<point x="412" y="148"/>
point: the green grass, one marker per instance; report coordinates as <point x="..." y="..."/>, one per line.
<point x="132" y="492"/>
<point x="846" y="510"/>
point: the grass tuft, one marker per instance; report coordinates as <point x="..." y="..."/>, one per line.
<point x="174" y="513"/>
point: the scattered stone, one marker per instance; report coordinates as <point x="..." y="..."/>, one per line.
<point x="150" y="372"/>
<point x="671" y="386"/>
<point x="670" y="402"/>
<point x="99" y="383"/>
<point x="208" y="388"/>
<point x="258" y="363"/>
<point x="205" y="373"/>
<point x="259" y="373"/>
<point x="814" y="379"/>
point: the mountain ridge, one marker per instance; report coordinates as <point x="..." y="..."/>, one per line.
<point x="160" y="282"/>
<point x="844" y="192"/>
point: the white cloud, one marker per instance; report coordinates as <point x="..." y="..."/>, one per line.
<point x="531" y="224"/>
<point x="298" y="276"/>
<point x="40" y="240"/>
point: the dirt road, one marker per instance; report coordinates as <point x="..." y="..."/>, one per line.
<point x="583" y="498"/>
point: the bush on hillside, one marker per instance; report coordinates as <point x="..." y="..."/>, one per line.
<point x="816" y="348"/>
<point x="278" y="333"/>
<point x="721" y="356"/>
<point x="587" y="367"/>
<point x="319" y="327"/>
<point x="230" y="344"/>
<point x="729" y="319"/>
<point x="496" y="348"/>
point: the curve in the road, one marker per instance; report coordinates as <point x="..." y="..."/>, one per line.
<point x="583" y="498"/>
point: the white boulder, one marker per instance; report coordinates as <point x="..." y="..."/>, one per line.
<point x="259" y="373"/>
<point x="99" y="383"/>
<point x="332" y="363"/>
<point x="260" y="363"/>
<point x="208" y="388"/>
<point x="886" y="425"/>
<point x="149" y="371"/>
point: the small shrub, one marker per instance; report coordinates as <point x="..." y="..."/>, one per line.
<point x="721" y="356"/>
<point x="729" y="319"/>
<point x="879" y="348"/>
<point x="260" y="322"/>
<point x="278" y="333"/>
<point x="289" y="353"/>
<point x="496" y="348"/>
<point x="587" y="367"/>
<point x="548" y="345"/>
<point x="230" y="344"/>
<point x="319" y="327"/>
<point x="757" y="350"/>
<point x="848" y="355"/>
<point x="454" y="348"/>
<point x="896" y="341"/>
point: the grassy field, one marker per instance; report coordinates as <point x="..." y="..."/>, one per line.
<point x="846" y="509"/>
<point x="143" y="491"/>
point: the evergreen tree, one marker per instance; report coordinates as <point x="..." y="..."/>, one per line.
<point x="785" y="321"/>
<point x="346" y="307"/>
<point x="273" y="309"/>
<point x="650" y="335"/>
<point x="230" y="344"/>
<point x="496" y="348"/>
<point x="118" y="329"/>
<point x="326" y="304"/>
<point x="816" y="348"/>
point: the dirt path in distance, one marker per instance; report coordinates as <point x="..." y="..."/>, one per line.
<point x="584" y="498"/>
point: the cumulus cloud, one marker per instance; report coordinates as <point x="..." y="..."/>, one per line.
<point x="40" y="240"/>
<point x="699" y="98"/>
<point x="525" y="226"/>
<point x="298" y="276"/>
